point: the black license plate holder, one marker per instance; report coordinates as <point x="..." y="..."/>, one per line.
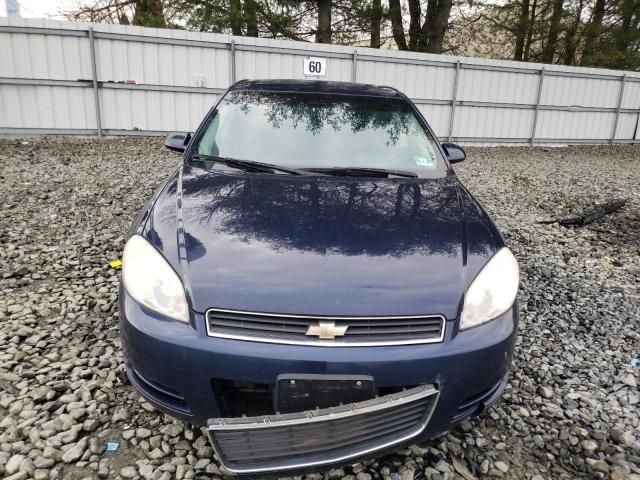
<point x="301" y="392"/>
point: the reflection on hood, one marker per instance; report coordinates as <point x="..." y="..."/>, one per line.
<point x="321" y="214"/>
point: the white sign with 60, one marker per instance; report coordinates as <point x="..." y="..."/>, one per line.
<point x="315" y="66"/>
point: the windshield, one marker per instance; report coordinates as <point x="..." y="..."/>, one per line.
<point x="320" y="131"/>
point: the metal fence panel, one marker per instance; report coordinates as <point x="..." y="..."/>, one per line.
<point x="148" y="63"/>
<point x="586" y="92"/>
<point x="575" y="125"/>
<point x="495" y="86"/>
<point x="478" y="122"/>
<point x="46" y="107"/>
<point x="627" y="126"/>
<point x="631" y="96"/>
<point x="156" y="111"/>
<point x="47" y="84"/>
<point x="438" y="116"/>
<point x="44" y="56"/>
<point x="416" y="81"/>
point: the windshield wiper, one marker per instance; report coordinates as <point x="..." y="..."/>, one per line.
<point x="363" y="172"/>
<point x="247" y="165"/>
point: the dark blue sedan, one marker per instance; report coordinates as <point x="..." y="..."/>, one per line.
<point x="313" y="283"/>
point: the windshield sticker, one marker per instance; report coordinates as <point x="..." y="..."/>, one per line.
<point x="424" y="161"/>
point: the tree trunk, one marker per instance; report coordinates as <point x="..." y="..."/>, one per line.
<point x="569" y="54"/>
<point x="521" y="33"/>
<point x="592" y="32"/>
<point x="250" y="16"/>
<point x="414" y="24"/>
<point x="554" y="32"/>
<point x="235" y="17"/>
<point x="376" y="19"/>
<point x="435" y="25"/>
<point x="395" y="14"/>
<point x="623" y="36"/>
<point x="323" y="34"/>
<point x="527" y="47"/>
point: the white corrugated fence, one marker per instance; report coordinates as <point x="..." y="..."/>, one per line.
<point x="69" y="78"/>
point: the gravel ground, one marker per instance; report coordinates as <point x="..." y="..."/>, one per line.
<point x="571" y="409"/>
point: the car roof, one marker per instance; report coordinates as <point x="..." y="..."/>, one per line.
<point x="317" y="87"/>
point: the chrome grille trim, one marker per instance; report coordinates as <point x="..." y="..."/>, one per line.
<point x="288" y="422"/>
<point x="338" y="342"/>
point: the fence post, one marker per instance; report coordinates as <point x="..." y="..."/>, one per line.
<point x="354" y="66"/>
<point x="623" y="79"/>
<point x="94" y="74"/>
<point x="454" y="97"/>
<point x="535" y="114"/>
<point x="232" y="61"/>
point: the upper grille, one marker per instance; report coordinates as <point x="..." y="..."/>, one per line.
<point x="317" y="437"/>
<point x="293" y="329"/>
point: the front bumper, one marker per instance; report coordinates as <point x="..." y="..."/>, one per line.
<point x="176" y="366"/>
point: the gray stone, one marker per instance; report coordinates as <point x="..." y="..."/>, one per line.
<point x="146" y="471"/>
<point x="466" y="426"/>
<point x="481" y="442"/>
<point x="41" y="474"/>
<point x="27" y="466"/>
<point x="52" y="453"/>
<point x="442" y="466"/>
<point x="629" y="380"/>
<point x="43" y="463"/>
<point x="128" y="472"/>
<point x="172" y="429"/>
<point x="13" y="465"/>
<point x="75" y="452"/>
<point x="625" y="438"/>
<point x="156" y="454"/>
<point x="17" y="476"/>
<point x="600" y="466"/>
<point x="545" y="392"/>
<point x="460" y="466"/>
<point x="619" y="474"/>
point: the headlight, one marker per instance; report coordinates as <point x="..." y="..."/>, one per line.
<point x="151" y="281"/>
<point x="493" y="291"/>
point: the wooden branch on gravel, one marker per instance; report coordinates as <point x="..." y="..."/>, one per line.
<point x="591" y="216"/>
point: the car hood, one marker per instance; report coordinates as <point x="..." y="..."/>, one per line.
<point x="321" y="245"/>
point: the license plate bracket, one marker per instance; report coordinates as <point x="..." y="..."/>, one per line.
<point x="301" y="392"/>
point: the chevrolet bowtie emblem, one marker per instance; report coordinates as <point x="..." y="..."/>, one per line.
<point x="326" y="330"/>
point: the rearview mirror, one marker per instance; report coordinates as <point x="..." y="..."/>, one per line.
<point x="454" y="153"/>
<point x="177" y="141"/>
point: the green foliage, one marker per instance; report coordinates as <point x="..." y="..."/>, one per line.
<point x="148" y="13"/>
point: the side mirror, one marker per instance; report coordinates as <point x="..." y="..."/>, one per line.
<point x="454" y="153"/>
<point x="177" y="141"/>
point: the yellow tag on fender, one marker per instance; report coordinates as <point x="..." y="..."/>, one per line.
<point x="115" y="263"/>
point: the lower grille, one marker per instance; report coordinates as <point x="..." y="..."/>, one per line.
<point x="318" y="437"/>
<point x="324" y="331"/>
